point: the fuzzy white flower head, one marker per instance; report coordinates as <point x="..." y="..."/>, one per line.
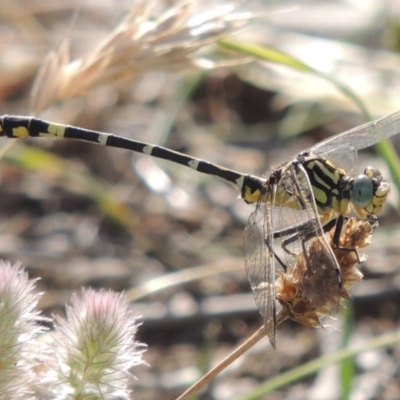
<point x="18" y="329"/>
<point x="95" y="347"/>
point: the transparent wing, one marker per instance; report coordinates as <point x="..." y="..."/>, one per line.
<point x="290" y="234"/>
<point x="260" y="263"/>
<point x="320" y="283"/>
<point x="343" y="157"/>
<point x="358" y="138"/>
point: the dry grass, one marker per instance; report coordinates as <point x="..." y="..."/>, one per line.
<point x="147" y="39"/>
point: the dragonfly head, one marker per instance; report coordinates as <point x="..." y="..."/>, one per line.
<point x="369" y="192"/>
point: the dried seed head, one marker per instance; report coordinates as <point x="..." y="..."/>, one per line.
<point x="173" y="39"/>
<point x="304" y="297"/>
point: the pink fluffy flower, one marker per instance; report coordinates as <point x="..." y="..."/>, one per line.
<point x="95" y="347"/>
<point x="19" y="326"/>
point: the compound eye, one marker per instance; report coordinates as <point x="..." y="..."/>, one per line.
<point x="373" y="172"/>
<point x="362" y="191"/>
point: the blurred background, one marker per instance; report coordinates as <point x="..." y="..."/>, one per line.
<point x="80" y="215"/>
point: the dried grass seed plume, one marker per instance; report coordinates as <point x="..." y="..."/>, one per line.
<point x="95" y="347"/>
<point x="142" y="42"/>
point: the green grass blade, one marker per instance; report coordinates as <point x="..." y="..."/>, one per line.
<point x="315" y="365"/>
<point x="347" y="369"/>
<point x="385" y="148"/>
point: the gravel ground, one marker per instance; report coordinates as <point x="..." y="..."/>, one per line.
<point x="79" y="215"/>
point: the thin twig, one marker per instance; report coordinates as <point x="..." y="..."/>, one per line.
<point x="250" y="342"/>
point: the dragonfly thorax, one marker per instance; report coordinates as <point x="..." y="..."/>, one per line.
<point x="335" y="191"/>
<point x="331" y="186"/>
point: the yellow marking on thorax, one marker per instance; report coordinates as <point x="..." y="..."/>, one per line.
<point x="285" y="199"/>
<point x="340" y="207"/>
<point x="329" y="170"/>
<point x="20" y="132"/>
<point x="321" y="181"/>
<point x="320" y="196"/>
<point x="337" y="172"/>
<point x="325" y="216"/>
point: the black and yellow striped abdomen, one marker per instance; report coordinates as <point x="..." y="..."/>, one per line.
<point x="329" y="185"/>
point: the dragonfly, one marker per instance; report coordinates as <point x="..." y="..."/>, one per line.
<point x="297" y="201"/>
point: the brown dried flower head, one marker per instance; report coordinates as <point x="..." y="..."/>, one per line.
<point x="304" y="297"/>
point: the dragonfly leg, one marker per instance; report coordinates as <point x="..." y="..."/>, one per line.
<point x="277" y="258"/>
<point x="293" y="234"/>
<point x="336" y="238"/>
